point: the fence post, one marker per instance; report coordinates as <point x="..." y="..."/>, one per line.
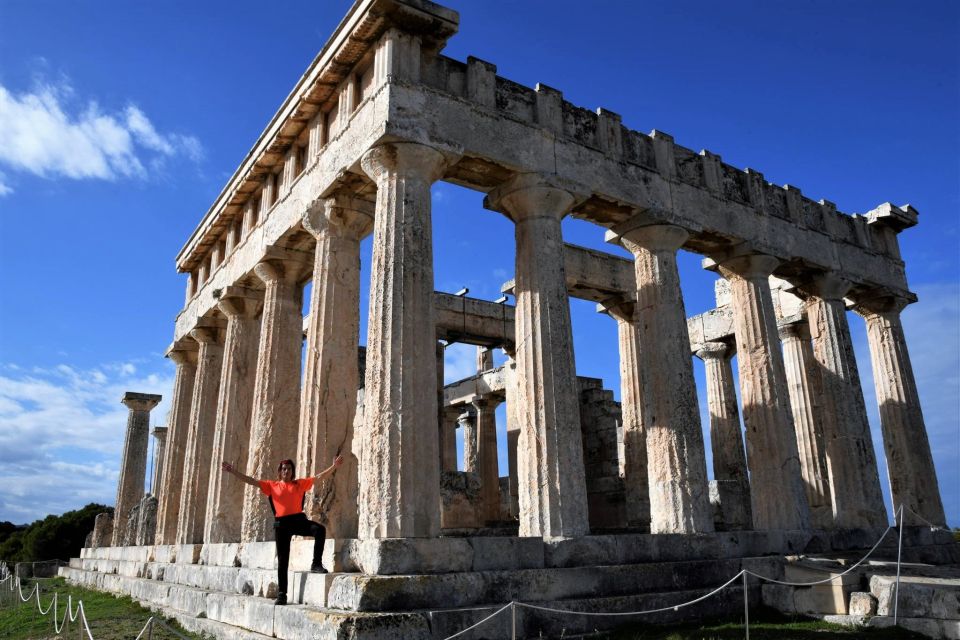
<point x="746" y="607"/>
<point x="513" y="614"/>
<point x="896" y="593"/>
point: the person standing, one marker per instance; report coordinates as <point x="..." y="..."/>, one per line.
<point x="286" y="496"/>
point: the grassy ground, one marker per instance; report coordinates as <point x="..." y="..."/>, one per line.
<point x="765" y="624"/>
<point x="110" y="617"/>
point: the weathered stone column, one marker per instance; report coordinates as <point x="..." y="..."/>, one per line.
<point x="231" y="435"/>
<point x="442" y="429"/>
<point x="484" y="359"/>
<point x="726" y="437"/>
<point x="553" y="493"/>
<point x="276" y="395"/>
<point x="448" y="438"/>
<point x="133" y="463"/>
<point x="468" y="422"/>
<point x="676" y="462"/>
<point x="513" y="438"/>
<point x="199" y="444"/>
<point x="778" y="498"/>
<point x="399" y="474"/>
<point x="913" y="478"/>
<point x="854" y="479"/>
<point x="330" y="383"/>
<point x="146" y="521"/>
<point x="160" y="443"/>
<point x="806" y="403"/>
<point x="632" y="402"/>
<point x="102" y="533"/>
<point x="178" y="423"/>
<point x="488" y="465"/>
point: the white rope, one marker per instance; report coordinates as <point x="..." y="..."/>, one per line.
<point x="474" y="626"/>
<point x="149" y="622"/>
<point x="934" y="527"/>
<point x="635" y="613"/>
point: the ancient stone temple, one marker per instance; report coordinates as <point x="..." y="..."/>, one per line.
<point x="605" y="505"/>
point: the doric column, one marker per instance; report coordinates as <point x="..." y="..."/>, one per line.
<point x="184" y="355"/>
<point x="553" y="493"/>
<point x="276" y="394"/>
<point x="330" y="382"/>
<point x="133" y="464"/>
<point x="913" y="479"/>
<point x="513" y="438"/>
<point x="851" y="462"/>
<point x="231" y="435"/>
<point x="199" y="444"/>
<point x="399" y="474"/>
<point x="676" y="464"/>
<point x="635" y="481"/>
<point x="448" y="438"/>
<point x="484" y="359"/>
<point x="468" y="422"/>
<point x="442" y="427"/>
<point x="159" y="444"/>
<point x="806" y="403"/>
<point x="726" y="437"/>
<point x="488" y="465"/>
<point x="778" y="498"/>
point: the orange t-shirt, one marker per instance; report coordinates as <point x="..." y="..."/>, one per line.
<point x="287" y="496"/>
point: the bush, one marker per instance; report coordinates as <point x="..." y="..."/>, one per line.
<point x="54" y="537"/>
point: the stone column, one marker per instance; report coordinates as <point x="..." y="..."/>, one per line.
<point x="676" y="463"/>
<point x="400" y="479"/>
<point x="199" y="444"/>
<point x="448" y="438"/>
<point x="102" y="533"/>
<point x="231" y="435"/>
<point x="851" y="462"/>
<point x="484" y="359"/>
<point x="133" y="463"/>
<point x="778" y="498"/>
<point x="513" y="437"/>
<point x="178" y="423"/>
<point x="468" y="422"/>
<point x="913" y="478"/>
<point x="442" y="429"/>
<point x="276" y="394"/>
<point x="806" y="403"/>
<point x="553" y="493"/>
<point x="726" y="437"/>
<point x="160" y="442"/>
<point x="632" y="402"/>
<point x="329" y="400"/>
<point x="488" y="465"/>
<point x="146" y="522"/>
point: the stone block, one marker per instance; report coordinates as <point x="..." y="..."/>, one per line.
<point x="165" y="553"/>
<point x="391" y="556"/>
<point x="258" y="555"/>
<point x="223" y="555"/>
<point x="309" y="588"/>
<point x="296" y="622"/>
<point x="779" y="597"/>
<point x="188" y="553"/>
<point x="188" y="599"/>
<point x="862" y="604"/>
<point x="491" y="553"/>
<point x="255" y="614"/>
<point x="920" y="597"/>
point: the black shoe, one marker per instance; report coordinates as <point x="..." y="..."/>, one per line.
<point x="281" y="599"/>
<point x="317" y="568"/>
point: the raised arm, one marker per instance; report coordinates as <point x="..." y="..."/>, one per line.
<point x="226" y="466"/>
<point x="329" y="470"/>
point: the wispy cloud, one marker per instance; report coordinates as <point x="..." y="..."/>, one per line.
<point x="62" y="423"/>
<point x="45" y="133"/>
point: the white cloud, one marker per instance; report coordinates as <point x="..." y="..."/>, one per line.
<point x="42" y="137"/>
<point x="66" y="423"/>
<point x="459" y="362"/>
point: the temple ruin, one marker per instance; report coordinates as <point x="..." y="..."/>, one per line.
<point x="606" y="504"/>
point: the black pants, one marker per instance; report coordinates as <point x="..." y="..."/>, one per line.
<point x="296" y="525"/>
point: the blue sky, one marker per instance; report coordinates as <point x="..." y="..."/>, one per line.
<point x="120" y="122"/>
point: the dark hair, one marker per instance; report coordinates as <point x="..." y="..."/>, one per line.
<point x="293" y="467"/>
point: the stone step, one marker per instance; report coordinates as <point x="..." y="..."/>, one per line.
<point x="360" y="592"/>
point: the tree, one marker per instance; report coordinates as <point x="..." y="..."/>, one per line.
<point x="54" y="537"/>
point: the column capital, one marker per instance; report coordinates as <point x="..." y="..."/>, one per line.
<point x="205" y="335"/>
<point x="794" y="331"/>
<point x="649" y="237"/>
<point x="406" y="158"/>
<point x="526" y="196"/>
<point x="273" y="269"/>
<point x="485" y="402"/>
<point x="159" y="432"/>
<point x="752" y="266"/>
<point x="467" y="415"/>
<point x="880" y="303"/>
<point x="240" y="301"/>
<point x="342" y="213"/>
<point x="826" y="286"/>
<point x="715" y="351"/>
<point x="620" y="308"/>
<point x="140" y="401"/>
<point x="182" y="356"/>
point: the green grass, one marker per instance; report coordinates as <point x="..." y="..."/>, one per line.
<point x="110" y="617"/>
<point x="765" y="624"/>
